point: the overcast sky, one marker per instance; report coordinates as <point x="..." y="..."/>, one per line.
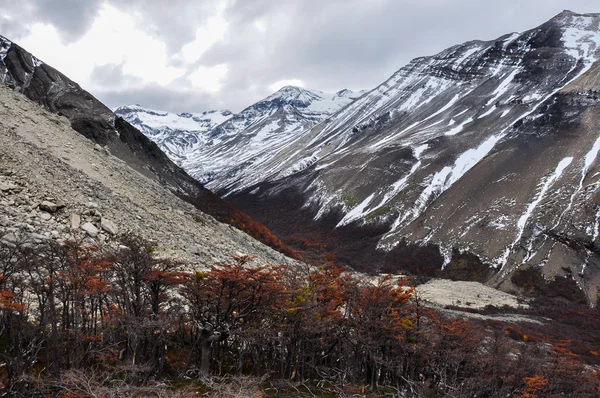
<point x="196" y="55"/>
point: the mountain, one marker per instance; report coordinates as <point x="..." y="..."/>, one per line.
<point x="46" y="86"/>
<point x="481" y="159"/>
<point x="176" y="134"/>
<point x="252" y="137"/>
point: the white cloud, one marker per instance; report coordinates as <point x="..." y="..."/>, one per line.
<point x="209" y="79"/>
<point x="206" y="36"/>
<point x="282" y="83"/>
<point x="110" y="40"/>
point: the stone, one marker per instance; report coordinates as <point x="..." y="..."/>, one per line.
<point x="60" y="204"/>
<point x="75" y="221"/>
<point x="90" y="229"/>
<point x="45" y="216"/>
<point x="4" y="187"/>
<point x="97" y="147"/>
<point x="48" y="206"/>
<point x="109" y="226"/>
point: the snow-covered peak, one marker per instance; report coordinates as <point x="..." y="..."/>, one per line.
<point x="155" y="119"/>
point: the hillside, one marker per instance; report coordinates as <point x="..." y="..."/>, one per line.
<point x="480" y="160"/>
<point x="42" y="159"/>
<point x="45" y="85"/>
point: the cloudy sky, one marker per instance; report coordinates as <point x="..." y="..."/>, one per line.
<point x="195" y="55"/>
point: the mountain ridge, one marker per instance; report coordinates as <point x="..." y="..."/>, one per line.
<point x="429" y="155"/>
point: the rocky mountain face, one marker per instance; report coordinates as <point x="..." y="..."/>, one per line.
<point x="230" y="152"/>
<point x="482" y="159"/>
<point x="126" y="183"/>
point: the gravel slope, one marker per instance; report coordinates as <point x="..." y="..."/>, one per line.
<point x="42" y="158"/>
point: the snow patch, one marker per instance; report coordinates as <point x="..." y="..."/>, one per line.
<point x="503" y="86"/>
<point x="356" y="213"/>
<point x="459" y="128"/>
<point x="488" y="112"/>
<point x="399" y="185"/>
<point x="445" y="178"/>
<point x="36" y="62"/>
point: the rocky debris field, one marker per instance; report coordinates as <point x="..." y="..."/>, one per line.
<point x="56" y="184"/>
<point x="466" y="294"/>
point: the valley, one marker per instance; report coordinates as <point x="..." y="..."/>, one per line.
<point x="470" y="162"/>
<point x="437" y="235"/>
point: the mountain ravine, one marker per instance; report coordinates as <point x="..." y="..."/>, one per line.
<point x="482" y="158"/>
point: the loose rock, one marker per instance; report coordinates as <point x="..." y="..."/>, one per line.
<point x="48" y="206"/>
<point x="109" y="226"/>
<point x="45" y="216"/>
<point x="90" y="229"/>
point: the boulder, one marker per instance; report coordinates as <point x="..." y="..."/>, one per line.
<point x="109" y="226"/>
<point x="7" y="186"/>
<point x="90" y="229"/>
<point x="48" y="206"/>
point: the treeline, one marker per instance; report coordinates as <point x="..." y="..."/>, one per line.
<point x="75" y="318"/>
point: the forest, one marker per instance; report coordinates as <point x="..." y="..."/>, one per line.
<point x="77" y="320"/>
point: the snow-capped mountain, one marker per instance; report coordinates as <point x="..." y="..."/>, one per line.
<point x="176" y="134"/>
<point x="225" y="150"/>
<point x="489" y="148"/>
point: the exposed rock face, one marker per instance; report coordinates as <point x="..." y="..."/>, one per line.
<point x="489" y="147"/>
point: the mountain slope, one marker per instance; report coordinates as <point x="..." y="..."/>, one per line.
<point x="251" y="138"/>
<point x="42" y="159"/>
<point x="43" y="84"/>
<point x="176" y="134"/>
<point x="487" y="148"/>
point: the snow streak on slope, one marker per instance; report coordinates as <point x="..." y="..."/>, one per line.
<point x="588" y="160"/>
<point x="522" y="222"/>
<point x="443" y="179"/>
<point x="396" y="187"/>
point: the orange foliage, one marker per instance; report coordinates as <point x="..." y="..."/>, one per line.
<point x="533" y="385"/>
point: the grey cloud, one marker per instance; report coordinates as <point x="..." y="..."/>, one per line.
<point x="329" y="45"/>
<point x="72" y="17"/>
<point x="111" y="75"/>
<point x="175" y="22"/>
<point x="357" y="44"/>
<point x="157" y="97"/>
